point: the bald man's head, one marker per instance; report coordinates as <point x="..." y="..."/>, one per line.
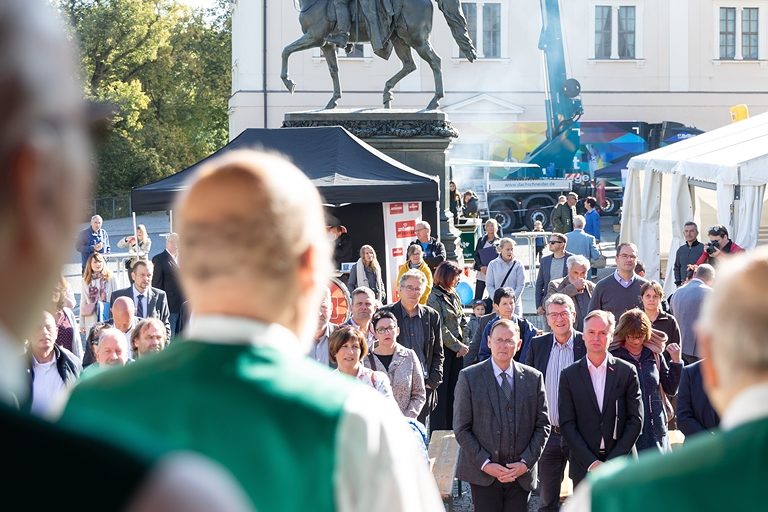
<point x="251" y="228"/>
<point x="123" y="313"/>
<point x="44" y="156"/>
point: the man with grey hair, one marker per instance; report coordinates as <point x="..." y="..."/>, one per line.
<point x="551" y="353"/>
<point x="93" y="239"/>
<point x="599" y="404"/>
<point x="713" y="470"/>
<point x="260" y="406"/>
<point x="581" y="242"/>
<point x="434" y="251"/>
<point x="421" y="331"/>
<point x="576" y="286"/>
<point x="686" y="304"/>
<point x="45" y="170"/>
<point x="166" y="278"/>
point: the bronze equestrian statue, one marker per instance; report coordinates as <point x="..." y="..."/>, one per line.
<point x="387" y="25"/>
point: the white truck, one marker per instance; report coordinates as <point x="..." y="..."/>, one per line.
<point x="515" y="194"/>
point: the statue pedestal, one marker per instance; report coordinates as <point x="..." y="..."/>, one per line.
<point x="418" y="139"/>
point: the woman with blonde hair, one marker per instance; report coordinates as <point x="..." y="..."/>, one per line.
<point x="416" y="261"/>
<point x="68" y="334"/>
<point x="367" y="272"/>
<point x="138" y="246"/>
<point x="638" y="343"/>
<point x="98" y="285"/>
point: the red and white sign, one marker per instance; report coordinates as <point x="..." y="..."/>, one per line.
<point x="399" y="230"/>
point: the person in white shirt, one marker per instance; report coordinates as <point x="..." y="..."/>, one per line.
<point x="52" y="368"/>
<point x="599" y="402"/>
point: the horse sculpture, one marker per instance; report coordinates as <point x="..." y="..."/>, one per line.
<point x="409" y="27"/>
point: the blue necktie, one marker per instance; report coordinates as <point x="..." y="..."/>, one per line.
<point x="140" y="307"/>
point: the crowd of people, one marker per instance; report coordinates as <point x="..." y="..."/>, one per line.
<point x="237" y="417"/>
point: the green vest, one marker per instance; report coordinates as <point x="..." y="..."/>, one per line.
<point x="727" y="471"/>
<point x="270" y="418"/>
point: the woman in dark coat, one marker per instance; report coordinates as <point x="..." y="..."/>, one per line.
<point x="636" y="342"/>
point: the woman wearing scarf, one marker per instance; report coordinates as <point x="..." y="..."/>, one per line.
<point x="636" y="342"/>
<point x="367" y="272"/>
<point x="98" y="285"/>
<point x="447" y="303"/>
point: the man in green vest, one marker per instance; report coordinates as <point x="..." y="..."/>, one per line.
<point x="44" y="176"/>
<point x="240" y="388"/>
<point x="728" y="470"/>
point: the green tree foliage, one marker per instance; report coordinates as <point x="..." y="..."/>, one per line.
<point x="167" y="69"/>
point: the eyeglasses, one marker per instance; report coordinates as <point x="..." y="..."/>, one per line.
<point x="411" y="289"/>
<point x="628" y="256"/>
<point x="383" y="330"/>
<point x="555" y="242"/>
<point x="562" y="314"/>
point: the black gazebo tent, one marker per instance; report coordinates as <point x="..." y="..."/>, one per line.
<point x="353" y="178"/>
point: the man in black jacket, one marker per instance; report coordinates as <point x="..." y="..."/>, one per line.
<point x="695" y="413"/>
<point x="434" y="251"/>
<point x="688" y="253"/>
<point x="599" y="404"/>
<point x="166" y="278"/>
<point x="421" y="331"/>
<point x="550" y="354"/>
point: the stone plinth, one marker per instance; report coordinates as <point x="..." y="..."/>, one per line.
<point x="418" y="139"/>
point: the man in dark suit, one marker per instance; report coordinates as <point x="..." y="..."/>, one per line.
<point x="421" y="331"/>
<point x="501" y="424"/>
<point x="599" y="404"/>
<point x="45" y="171"/>
<point x="557" y="261"/>
<point x="695" y="413"/>
<point x="165" y="277"/>
<point x="551" y="353"/>
<point x="149" y="301"/>
<point x="686" y="303"/>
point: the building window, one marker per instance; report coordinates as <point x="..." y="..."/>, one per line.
<point x="603" y="32"/>
<point x="739" y="33"/>
<point x="727" y="32"/>
<point x="616" y="31"/>
<point x="484" y="27"/>
<point x="749" y="33"/>
<point x="627" y="32"/>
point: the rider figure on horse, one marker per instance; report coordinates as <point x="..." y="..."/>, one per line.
<point x="378" y="16"/>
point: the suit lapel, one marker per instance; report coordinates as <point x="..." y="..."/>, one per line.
<point x="547" y="352"/>
<point x="491" y="384"/>
<point x="584" y="371"/>
<point x="517" y="396"/>
<point x="610" y="383"/>
<point x="425" y="326"/>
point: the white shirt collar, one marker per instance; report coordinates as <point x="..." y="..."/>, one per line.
<point x="602" y="367"/>
<point x="12" y="373"/>
<point x="136" y="292"/>
<point x="567" y="344"/>
<point x="497" y="371"/>
<point x="749" y="405"/>
<point x="235" y="330"/>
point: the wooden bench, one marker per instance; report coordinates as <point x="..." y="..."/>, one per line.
<point x="443" y="459"/>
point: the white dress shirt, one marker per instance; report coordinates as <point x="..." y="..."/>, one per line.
<point x="597" y="374"/>
<point x="46" y="386"/>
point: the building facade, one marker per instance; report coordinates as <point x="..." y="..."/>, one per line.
<point x="637" y="60"/>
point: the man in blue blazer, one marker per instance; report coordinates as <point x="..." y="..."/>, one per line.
<point x="581" y="242"/>
<point x="555" y="261"/>
<point x="551" y="353"/>
<point x="695" y="413"/>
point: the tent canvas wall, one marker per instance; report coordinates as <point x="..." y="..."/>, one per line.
<point x="716" y="177"/>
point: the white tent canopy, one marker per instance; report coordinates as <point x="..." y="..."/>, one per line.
<point x="718" y="176"/>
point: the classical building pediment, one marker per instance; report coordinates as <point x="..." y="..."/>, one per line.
<point x="484" y="104"/>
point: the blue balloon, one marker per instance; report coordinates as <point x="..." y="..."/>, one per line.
<point x="466" y="294"/>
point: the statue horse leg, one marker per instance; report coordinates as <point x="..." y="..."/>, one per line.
<point x="427" y="53"/>
<point x="329" y="51"/>
<point x="403" y="52"/>
<point x="305" y="42"/>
